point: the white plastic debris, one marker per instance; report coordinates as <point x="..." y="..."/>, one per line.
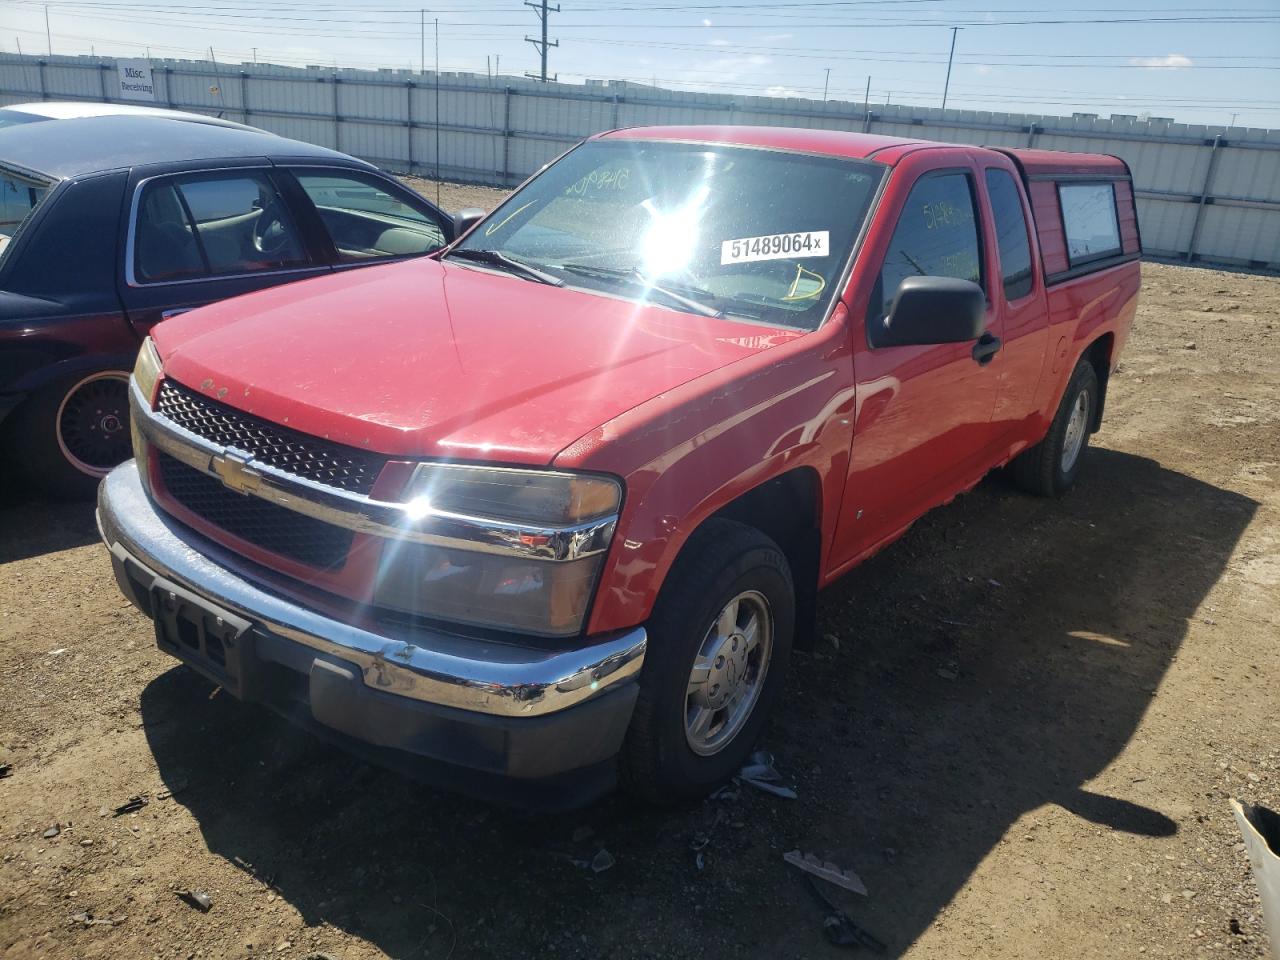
<point x="826" y="870"/>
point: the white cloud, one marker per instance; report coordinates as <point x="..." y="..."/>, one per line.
<point x="718" y="42"/>
<point x="773" y="37"/>
<point x="783" y="92"/>
<point x="982" y="69"/>
<point x="758" y="61"/>
<point x="706" y="22"/>
<point x="1171" y="61"/>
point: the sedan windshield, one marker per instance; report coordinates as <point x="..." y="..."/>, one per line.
<point x="712" y="230"/>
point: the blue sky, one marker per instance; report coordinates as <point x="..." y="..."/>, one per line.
<point x="1179" y="58"/>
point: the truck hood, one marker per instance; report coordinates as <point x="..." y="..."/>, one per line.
<point x="424" y="359"/>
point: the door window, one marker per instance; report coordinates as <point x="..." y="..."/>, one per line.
<point x="213" y="225"/>
<point x="936" y="236"/>
<point x="1011" y="234"/>
<point x="366" y="221"/>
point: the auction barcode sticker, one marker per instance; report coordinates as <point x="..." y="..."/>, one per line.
<point x="777" y="246"/>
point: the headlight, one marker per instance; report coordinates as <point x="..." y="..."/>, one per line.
<point x="147" y="369"/>
<point x="518" y="586"/>
<point x="146" y="374"/>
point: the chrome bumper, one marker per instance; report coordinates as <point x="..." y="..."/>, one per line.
<point x="429" y="666"/>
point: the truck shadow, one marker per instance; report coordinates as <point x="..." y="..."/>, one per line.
<point x="992" y="662"/>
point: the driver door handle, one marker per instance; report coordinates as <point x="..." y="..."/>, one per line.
<point x="986" y="348"/>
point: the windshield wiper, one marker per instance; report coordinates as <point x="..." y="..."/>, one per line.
<point x="495" y="258"/>
<point x="636" y="278"/>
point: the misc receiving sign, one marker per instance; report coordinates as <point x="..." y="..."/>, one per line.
<point x="135" y="80"/>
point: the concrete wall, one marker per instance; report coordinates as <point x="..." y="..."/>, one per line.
<point x="1204" y="194"/>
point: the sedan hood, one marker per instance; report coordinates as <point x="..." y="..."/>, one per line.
<point x="424" y="359"/>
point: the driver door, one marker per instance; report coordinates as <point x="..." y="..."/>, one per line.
<point x="201" y="236"/>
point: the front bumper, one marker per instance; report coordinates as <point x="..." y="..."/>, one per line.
<point x="526" y="724"/>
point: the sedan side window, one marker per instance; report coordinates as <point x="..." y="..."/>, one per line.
<point x="365" y="220"/>
<point x="936" y="236"/>
<point x="213" y="225"/>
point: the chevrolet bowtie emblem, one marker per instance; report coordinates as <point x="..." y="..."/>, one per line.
<point x="234" y="472"/>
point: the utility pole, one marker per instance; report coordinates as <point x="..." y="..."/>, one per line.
<point x="48" y="37"/>
<point x="543" y="11"/>
<point x="947" y="86"/>
<point x="422" y="40"/>
<point x="1233" y="120"/>
<point x="824" y="85"/>
<point x="866" y="101"/>
<point x="437" y="111"/>
<point x="255" y="54"/>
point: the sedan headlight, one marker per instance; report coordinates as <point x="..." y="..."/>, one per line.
<point x="514" y="549"/>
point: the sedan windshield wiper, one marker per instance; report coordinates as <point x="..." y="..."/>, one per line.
<point x="495" y="258"/>
<point x="636" y="278"/>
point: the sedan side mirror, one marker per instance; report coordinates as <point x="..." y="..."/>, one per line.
<point x="465" y="219"/>
<point x="933" y="310"/>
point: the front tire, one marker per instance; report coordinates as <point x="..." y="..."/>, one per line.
<point x="69" y="435"/>
<point x="719" y="644"/>
<point x="1050" y="468"/>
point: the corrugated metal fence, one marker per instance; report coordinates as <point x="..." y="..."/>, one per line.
<point x="1204" y="193"/>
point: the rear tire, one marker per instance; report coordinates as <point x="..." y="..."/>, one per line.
<point x="719" y="644"/>
<point x="1050" y="468"/>
<point x="66" y="437"/>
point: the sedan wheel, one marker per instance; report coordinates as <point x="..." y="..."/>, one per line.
<point x="92" y="423"/>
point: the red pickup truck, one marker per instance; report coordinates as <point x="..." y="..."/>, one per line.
<point x="550" y="509"/>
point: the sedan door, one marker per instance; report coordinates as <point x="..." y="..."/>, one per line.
<point x="366" y="218"/>
<point x="200" y="236"/>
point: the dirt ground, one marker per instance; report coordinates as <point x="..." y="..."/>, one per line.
<point x="1020" y="729"/>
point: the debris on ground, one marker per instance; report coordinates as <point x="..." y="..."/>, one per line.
<point x="760" y="773"/>
<point x="131" y="805"/>
<point x="602" y="861"/>
<point x="52" y="832"/>
<point x="196" y="898"/>
<point x="87" y="919"/>
<point x="948" y="673"/>
<point x="5" y="770"/>
<point x="839" y="927"/>
<point x="825" y="869"/>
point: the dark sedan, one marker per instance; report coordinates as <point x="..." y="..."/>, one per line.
<point x="108" y="225"/>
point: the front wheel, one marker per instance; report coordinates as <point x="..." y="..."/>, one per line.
<point x="1049" y="469"/>
<point x="719" y="644"/>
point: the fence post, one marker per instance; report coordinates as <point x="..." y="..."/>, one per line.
<point x="102" y="82"/>
<point x="1204" y="196"/>
<point x="408" y="122"/>
<point x="506" y="136"/>
<point x="244" y="95"/>
<point x="337" y="119"/>
<point x="1032" y="130"/>
<point x="168" y="87"/>
<point x="614" y="121"/>
<point x="43" y="95"/>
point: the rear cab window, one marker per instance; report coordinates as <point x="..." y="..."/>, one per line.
<point x="19" y="198"/>
<point x="1012" y="239"/>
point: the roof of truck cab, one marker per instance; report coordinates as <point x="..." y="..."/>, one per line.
<point x="1057" y="163"/>
<point x="835" y="143"/>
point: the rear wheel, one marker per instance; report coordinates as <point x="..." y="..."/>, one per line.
<point x="1049" y="469"/>
<point x="69" y="435"/>
<point x="719" y="644"/>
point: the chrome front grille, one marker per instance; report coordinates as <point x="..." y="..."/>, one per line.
<point x="270" y="526"/>
<point x="303" y="455"/>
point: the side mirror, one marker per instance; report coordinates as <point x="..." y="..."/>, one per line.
<point x="465" y="219"/>
<point x="933" y="310"/>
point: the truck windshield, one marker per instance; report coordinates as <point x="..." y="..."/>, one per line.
<point x="18" y="199"/>
<point x="708" y="229"/>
